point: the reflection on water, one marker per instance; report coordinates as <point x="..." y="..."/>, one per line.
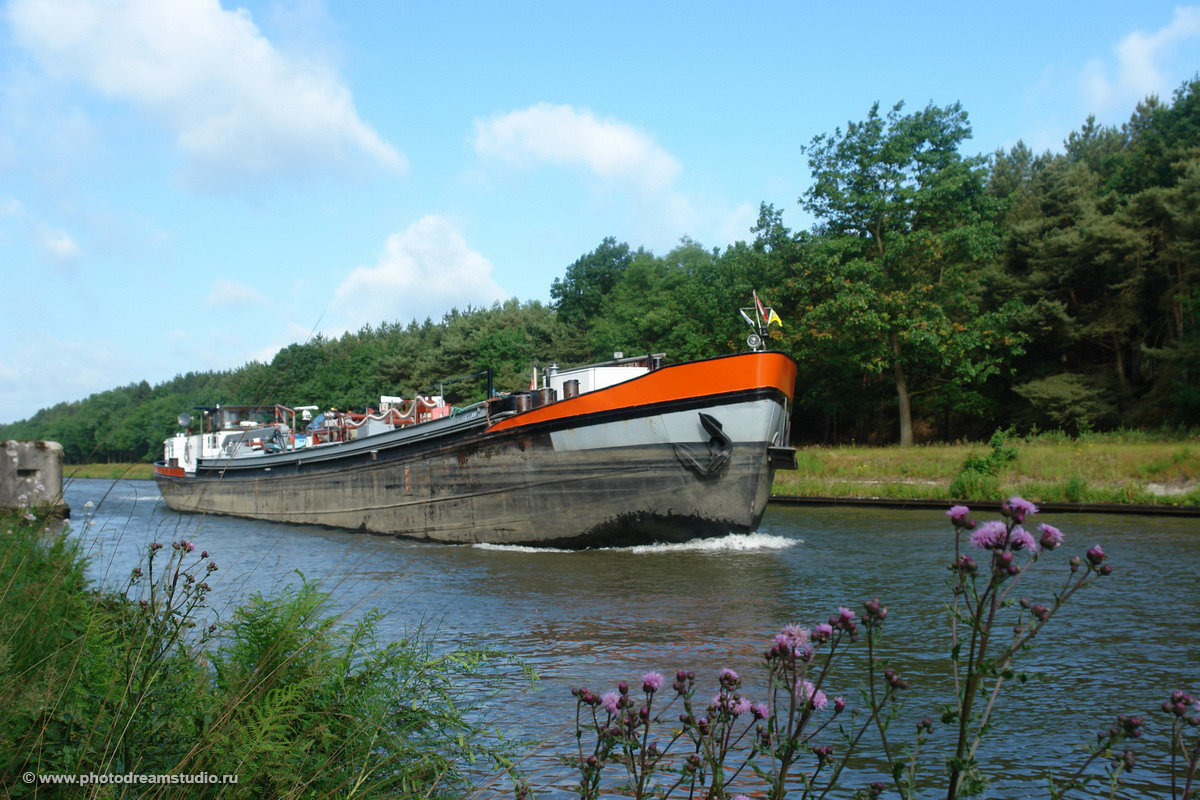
<point x="595" y="617"/>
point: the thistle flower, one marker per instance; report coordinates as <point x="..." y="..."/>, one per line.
<point x="611" y="702"/>
<point x="741" y="706"/>
<point x="990" y="535"/>
<point x="1051" y="536"/>
<point x="729" y="678"/>
<point x="651" y="682"/>
<point x="793" y="636"/>
<point x="1021" y="539"/>
<point x="1096" y="555"/>
<point x="1018" y="508"/>
<point x="808" y="691"/>
<point x="958" y="516"/>
<point x="186" y="545"/>
<point x="760" y="710"/>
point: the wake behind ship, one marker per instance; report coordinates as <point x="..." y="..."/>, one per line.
<point x="625" y="452"/>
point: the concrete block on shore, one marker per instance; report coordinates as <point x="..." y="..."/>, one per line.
<point x="31" y="476"/>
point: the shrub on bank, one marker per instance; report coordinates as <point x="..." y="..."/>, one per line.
<point x="285" y="695"/>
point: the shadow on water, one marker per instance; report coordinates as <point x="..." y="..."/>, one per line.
<point x="595" y="617"/>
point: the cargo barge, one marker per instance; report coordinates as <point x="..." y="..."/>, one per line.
<point x="629" y="451"/>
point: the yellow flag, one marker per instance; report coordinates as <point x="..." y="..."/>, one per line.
<point x="773" y="317"/>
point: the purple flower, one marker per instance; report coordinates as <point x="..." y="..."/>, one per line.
<point x="729" y="677"/>
<point x="186" y="545"/>
<point x="740" y="797"/>
<point x="958" y="514"/>
<point x="812" y="693"/>
<point x="822" y="631"/>
<point x="990" y="535"/>
<point x="1019" y="508"/>
<point x="1051" y="536"/>
<point x="793" y="636"/>
<point x="1096" y="555"/>
<point x="651" y="682"/>
<point x="610" y="702"/>
<point x="845" y="614"/>
<point x="1019" y="538"/>
<point x="760" y="710"/>
<point x="741" y="706"/>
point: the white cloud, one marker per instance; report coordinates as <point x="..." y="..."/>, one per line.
<point x="561" y="134"/>
<point x="233" y="295"/>
<point x="423" y="271"/>
<point x="54" y="243"/>
<point x="1142" y="63"/>
<point x="58" y="244"/>
<point x="239" y="108"/>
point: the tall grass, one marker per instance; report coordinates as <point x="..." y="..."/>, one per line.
<point x="293" y="699"/>
<point x="1122" y="467"/>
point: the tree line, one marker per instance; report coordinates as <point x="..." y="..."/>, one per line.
<point x="938" y="295"/>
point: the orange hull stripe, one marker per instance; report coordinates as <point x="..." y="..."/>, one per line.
<point x="174" y="472"/>
<point x="677" y="382"/>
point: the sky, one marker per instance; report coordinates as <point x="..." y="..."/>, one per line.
<point x="190" y="185"/>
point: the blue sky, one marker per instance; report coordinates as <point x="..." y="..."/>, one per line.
<point x="191" y="184"/>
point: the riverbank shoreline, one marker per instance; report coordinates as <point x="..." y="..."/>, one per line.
<point x="988" y="505"/>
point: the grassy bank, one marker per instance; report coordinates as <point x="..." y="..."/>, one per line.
<point x="139" y="471"/>
<point x="1096" y="469"/>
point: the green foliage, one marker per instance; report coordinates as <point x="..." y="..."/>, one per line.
<point x="286" y="694"/>
<point x="1069" y="401"/>
<point x="581" y="292"/>
<point x="978" y="477"/>
<point x="894" y="281"/>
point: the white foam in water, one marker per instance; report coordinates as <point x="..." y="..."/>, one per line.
<point x="519" y="548"/>
<point x="732" y="543"/>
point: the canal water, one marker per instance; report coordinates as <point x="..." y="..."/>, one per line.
<point x="592" y="618"/>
